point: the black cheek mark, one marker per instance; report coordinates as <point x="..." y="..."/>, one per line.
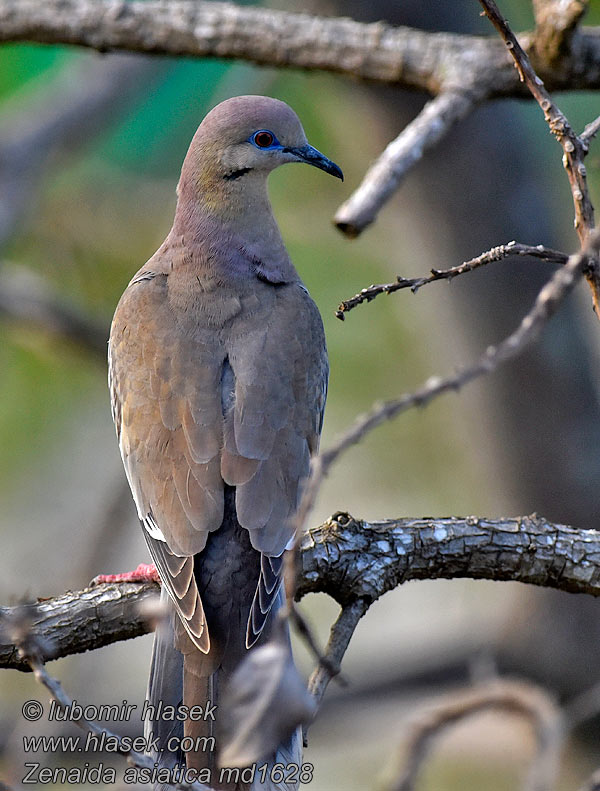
<point x="265" y="279"/>
<point x="236" y="174"/>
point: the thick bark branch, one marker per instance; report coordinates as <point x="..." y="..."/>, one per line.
<point x="80" y="621"/>
<point x="353" y="561"/>
<point x="376" y="51"/>
<point x="459" y="70"/>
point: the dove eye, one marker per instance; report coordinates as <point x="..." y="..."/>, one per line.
<point x="263" y="139"/>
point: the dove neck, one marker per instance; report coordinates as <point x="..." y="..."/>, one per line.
<point x="233" y="221"/>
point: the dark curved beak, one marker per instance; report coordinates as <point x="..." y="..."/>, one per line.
<point x="311" y="156"/>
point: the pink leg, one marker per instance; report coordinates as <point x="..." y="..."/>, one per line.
<point x="145" y="572"/>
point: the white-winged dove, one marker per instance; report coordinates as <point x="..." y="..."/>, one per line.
<point x="218" y="376"/>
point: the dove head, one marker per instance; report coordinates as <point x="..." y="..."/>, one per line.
<point x="240" y="142"/>
<point x="222" y="194"/>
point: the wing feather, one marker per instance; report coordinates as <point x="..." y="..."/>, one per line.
<point x="166" y="406"/>
<point x="196" y="408"/>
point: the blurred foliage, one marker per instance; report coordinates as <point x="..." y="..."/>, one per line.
<point x="20" y="63"/>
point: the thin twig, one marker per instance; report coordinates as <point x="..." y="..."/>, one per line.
<point x="339" y="639"/>
<point x="546" y="303"/>
<point x="512" y="696"/>
<point x="574" y="149"/>
<point x="495" y="254"/>
<point x="29" y="651"/>
<point x="384" y="177"/>
<point x="590" y="131"/>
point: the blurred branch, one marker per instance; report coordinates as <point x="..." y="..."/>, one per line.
<point x="498" y="253"/>
<point x="591" y="130"/>
<point x="510" y="696"/>
<point x="31" y="652"/>
<point x="583" y="707"/>
<point x="555" y="24"/>
<point x="353" y="561"/>
<point x="26" y="298"/>
<point x="574" y="148"/>
<point x="384" y="177"/>
<point x="62" y="114"/>
<point x="593" y="784"/>
<point x="339" y="640"/>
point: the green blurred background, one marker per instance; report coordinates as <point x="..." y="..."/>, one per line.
<point x="94" y="204"/>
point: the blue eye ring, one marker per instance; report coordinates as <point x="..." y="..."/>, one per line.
<point x="264" y="139"/>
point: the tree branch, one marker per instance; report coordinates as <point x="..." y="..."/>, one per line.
<point x="511" y="696"/>
<point x="376" y="51"/>
<point x="555" y="25"/>
<point x="574" y="148"/>
<point x="591" y="130"/>
<point x="339" y="640"/>
<point x="82" y="621"/>
<point x="353" y="561"/>
<point x="462" y="69"/>
<point x="545" y="305"/>
<point x="385" y="176"/>
<point x="498" y="253"/>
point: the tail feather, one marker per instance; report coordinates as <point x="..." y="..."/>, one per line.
<point x="241" y="592"/>
<point x="165" y="688"/>
<point x="265" y="596"/>
<point x="174" y="679"/>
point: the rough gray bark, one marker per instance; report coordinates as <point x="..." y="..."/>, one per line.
<point x="375" y="51"/>
<point x="353" y="561"/>
<point x="78" y="621"/>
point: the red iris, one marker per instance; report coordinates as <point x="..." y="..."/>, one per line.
<point x="263" y="139"/>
